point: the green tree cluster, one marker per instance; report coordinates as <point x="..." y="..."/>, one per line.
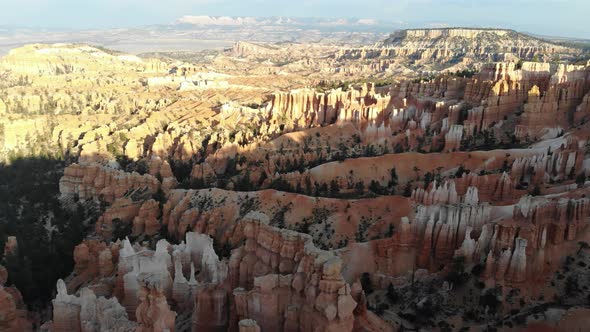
<point x="46" y="232"/>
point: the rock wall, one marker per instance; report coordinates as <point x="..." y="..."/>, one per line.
<point x="60" y="59"/>
<point x="87" y="312"/>
<point x="277" y="277"/>
<point x="145" y="285"/>
<point x="93" y="181"/>
<point x="331" y="221"/>
<point x="516" y="249"/>
<point x="515" y="244"/>
<point x="282" y="275"/>
<point x="444" y="44"/>
<point x="14" y="312"/>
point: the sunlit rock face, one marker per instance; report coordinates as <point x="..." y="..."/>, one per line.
<point x="59" y="58"/>
<point x="144" y="288"/>
<point x="271" y="262"/>
<point x="275" y="265"/>
<point x="100" y="182"/>
<point x="308" y="187"/>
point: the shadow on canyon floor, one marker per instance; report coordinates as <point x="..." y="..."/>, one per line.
<point x="45" y="231"/>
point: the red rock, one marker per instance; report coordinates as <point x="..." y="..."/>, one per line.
<point x="14" y="314"/>
<point x="153" y="312"/>
<point x="248" y="325"/>
<point x="93" y="181"/>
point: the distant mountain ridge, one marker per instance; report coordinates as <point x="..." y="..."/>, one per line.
<point x="490" y="40"/>
<point x="458" y="49"/>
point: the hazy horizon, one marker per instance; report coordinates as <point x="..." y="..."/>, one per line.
<point x="544" y="17"/>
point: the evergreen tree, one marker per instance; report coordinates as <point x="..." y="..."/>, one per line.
<point x="334" y="188"/>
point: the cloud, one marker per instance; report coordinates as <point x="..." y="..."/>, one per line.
<point x="566" y="17"/>
<point x="223" y="20"/>
<point x="367" y="21"/>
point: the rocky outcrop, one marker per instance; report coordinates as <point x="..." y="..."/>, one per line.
<point x="271" y="266"/>
<point x="248" y="325"/>
<point x="245" y="49"/>
<point x="337" y="155"/>
<point x="402" y="246"/>
<point x="14" y="313"/>
<point x="143" y="216"/>
<point x="286" y="283"/>
<point x="305" y="108"/>
<point x="469" y="188"/>
<point x="59" y="59"/>
<point x="211" y="309"/>
<point x="485" y="44"/>
<point x="87" y="312"/>
<point x="92" y="181"/>
<point x="453" y="138"/>
<point x="582" y="113"/>
<point x="93" y="259"/>
<point x="558" y="165"/>
<point x="153" y="312"/>
<point x="514" y="249"/>
<point x="218" y="212"/>
<point x="147" y="220"/>
<point x="548" y="94"/>
<point x="441" y="229"/>
<point x="146" y="286"/>
<point x="443" y="194"/>
<point x="551" y="110"/>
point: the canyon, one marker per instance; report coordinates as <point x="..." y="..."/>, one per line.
<point x="434" y="180"/>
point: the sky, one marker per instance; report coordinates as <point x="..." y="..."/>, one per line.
<point x="569" y="18"/>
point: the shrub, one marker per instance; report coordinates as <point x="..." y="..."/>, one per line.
<point x="334" y="188"/>
<point x="581" y="179"/>
<point x="392" y="294"/>
<point x="408" y="190"/>
<point x="359" y="188"/>
<point x="121" y="229"/>
<point x="366" y="283"/>
<point x="490" y="299"/>
<point x="457" y="275"/>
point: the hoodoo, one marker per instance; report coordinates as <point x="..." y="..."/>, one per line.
<point x="318" y="175"/>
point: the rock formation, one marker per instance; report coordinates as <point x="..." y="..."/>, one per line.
<point x="14" y="313"/>
<point x="87" y="312"/>
<point x="100" y="182"/>
<point x="295" y="194"/>
<point x="275" y="263"/>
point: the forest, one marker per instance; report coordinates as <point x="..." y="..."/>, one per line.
<point x="46" y="231"/>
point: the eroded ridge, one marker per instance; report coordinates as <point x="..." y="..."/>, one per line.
<point x="291" y="187"/>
